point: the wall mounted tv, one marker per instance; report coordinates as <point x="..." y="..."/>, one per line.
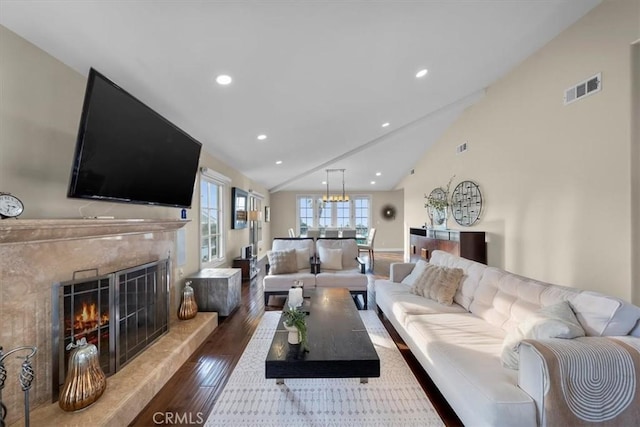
<point x="126" y="152"/>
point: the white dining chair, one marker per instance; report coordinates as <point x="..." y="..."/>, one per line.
<point x="368" y="246"/>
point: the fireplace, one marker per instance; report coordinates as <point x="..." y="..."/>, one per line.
<point x="120" y="313"/>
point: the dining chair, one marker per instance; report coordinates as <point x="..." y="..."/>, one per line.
<point x="292" y="233"/>
<point x="348" y="233"/>
<point x="368" y="246"/>
<point x="331" y="232"/>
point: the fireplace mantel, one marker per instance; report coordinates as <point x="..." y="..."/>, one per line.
<point x="16" y="231"/>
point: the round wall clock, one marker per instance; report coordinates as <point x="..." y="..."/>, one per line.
<point x="10" y="206"/>
<point x="466" y="203"/>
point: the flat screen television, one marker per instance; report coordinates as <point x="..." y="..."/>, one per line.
<point x="126" y="152"/>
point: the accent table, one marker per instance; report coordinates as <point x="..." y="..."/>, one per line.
<point x="339" y="344"/>
<point x="217" y="289"/>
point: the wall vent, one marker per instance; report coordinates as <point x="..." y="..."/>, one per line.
<point x="462" y="148"/>
<point x="582" y="89"/>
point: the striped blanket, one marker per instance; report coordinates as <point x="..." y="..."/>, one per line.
<point x="599" y="379"/>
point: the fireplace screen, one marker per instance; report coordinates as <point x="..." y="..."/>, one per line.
<point x="120" y="313"/>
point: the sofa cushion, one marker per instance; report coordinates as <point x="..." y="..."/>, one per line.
<point x="349" y="250"/>
<point x="330" y="259"/>
<point x="303" y="259"/>
<point x="350" y="279"/>
<point x="282" y="262"/>
<point x="554" y="321"/>
<point x="281" y="243"/>
<point x="416" y="273"/>
<point x="473" y="272"/>
<point x="284" y="282"/>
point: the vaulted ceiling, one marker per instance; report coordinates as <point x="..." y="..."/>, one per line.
<point x="318" y="78"/>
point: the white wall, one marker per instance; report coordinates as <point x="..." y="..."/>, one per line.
<point x="556" y="179"/>
<point x="40" y="107"/>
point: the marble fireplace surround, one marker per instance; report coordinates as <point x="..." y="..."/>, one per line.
<point x="35" y="254"/>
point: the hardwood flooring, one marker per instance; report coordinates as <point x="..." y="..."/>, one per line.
<point x="189" y="396"/>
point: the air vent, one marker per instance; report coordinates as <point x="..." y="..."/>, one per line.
<point x="461" y="148"/>
<point x="582" y="89"/>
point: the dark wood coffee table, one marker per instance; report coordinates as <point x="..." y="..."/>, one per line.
<point x="339" y="345"/>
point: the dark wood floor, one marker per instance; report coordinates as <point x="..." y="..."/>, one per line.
<point x="189" y="396"/>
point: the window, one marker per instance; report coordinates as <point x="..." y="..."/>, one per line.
<point x="212" y="214"/>
<point x="313" y="213"/>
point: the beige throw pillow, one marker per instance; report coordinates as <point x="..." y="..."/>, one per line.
<point x="330" y="259"/>
<point x="554" y="321"/>
<point x="282" y="262"/>
<point x="438" y="283"/>
<point x="415" y="274"/>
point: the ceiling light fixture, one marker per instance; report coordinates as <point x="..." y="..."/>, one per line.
<point x="223" y="79"/>
<point x="373" y="182"/>
<point x="279" y="162"/>
<point x="335" y="198"/>
<point x="378" y="173"/>
<point x="262" y="137"/>
<point x="384" y="125"/>
<point x="422" y="73"/>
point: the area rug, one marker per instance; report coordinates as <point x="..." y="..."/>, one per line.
<point x="394" y="399"/>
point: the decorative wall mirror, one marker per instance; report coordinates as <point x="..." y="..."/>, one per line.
<point x="466" y="203"/>
<point x="239" y="208"/>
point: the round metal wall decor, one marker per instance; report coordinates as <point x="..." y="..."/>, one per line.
<point x="466" y="203"/>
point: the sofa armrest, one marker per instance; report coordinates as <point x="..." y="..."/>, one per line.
<point x="400" y="270"/>
<point x="577" y="380"/>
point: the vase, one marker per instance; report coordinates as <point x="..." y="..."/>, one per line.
<point x="294" y="335"/>
<point x="85" y="381"/>
<point x="188" y="308"/>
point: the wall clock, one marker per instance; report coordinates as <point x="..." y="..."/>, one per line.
<point x="466" y="203"/>
<point x="10" y="206"/>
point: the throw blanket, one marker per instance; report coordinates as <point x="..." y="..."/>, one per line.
<point x="599" y="379"/>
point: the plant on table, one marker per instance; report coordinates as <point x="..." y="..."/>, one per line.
<point x="293" y="317"/>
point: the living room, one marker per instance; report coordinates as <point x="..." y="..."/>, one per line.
<point x="561" y="182"/>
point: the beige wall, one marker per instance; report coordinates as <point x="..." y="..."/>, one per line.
<point x="389" y="234"/>
<point x="40" y="107"/>
<point x="555" y="179"/>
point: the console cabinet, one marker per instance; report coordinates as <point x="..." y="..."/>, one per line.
<point x="467" y="244"/>
<point x="249" y="266"/>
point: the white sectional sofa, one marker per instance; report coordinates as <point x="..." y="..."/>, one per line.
<point x="460" y="345"/>
<point x="347" y="271"/>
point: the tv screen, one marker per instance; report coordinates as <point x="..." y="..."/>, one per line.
<point x="126" y="152"/>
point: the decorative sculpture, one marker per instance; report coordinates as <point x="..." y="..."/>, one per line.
<point x="85" y="380"/>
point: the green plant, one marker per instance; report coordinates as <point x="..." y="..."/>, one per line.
<point x="437" y="202"/>
<point x="293" y="317"/>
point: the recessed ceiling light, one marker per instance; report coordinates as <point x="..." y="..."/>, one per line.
<point x="324" y="182"/>
<point x="373" y="182"/>
<point x="262" y="137"/>
<point x="378" y="173"/>
<point x="384" y="125"/>
<point x="422" y="73"/>
<point x="223" y="79"/>
<point x="279" y="162"/>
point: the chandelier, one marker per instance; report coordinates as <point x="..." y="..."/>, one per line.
<point x="333" y="197"/>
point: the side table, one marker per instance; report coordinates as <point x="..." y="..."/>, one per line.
<point x="249" y="266"/>
<point x="217" y="289"/>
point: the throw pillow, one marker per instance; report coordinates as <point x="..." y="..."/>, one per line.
<point x="438" y="283"/>
<point x="554" y="321"/>
<point x="445" y="284"/>
<point x="302" y="257"/>
<point x="417" y="271"/>
<point x="330" y="259"/>
<point x="282" y="262"/>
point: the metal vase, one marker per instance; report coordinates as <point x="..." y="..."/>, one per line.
<point x="188" y="308"/>
<point x="85" y="380"/>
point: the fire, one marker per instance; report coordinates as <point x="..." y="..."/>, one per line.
<point x="89" y="318"/>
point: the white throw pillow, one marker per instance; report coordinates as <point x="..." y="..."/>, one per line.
<point x="302" y="256"/>
<point x="554" y="321"/>
<point x="415" y="274"/>
<point x="330" y="259"/>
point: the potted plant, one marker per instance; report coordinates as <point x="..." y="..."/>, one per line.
<point x="437" y="203"/>
<point x="295" y="321"/>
